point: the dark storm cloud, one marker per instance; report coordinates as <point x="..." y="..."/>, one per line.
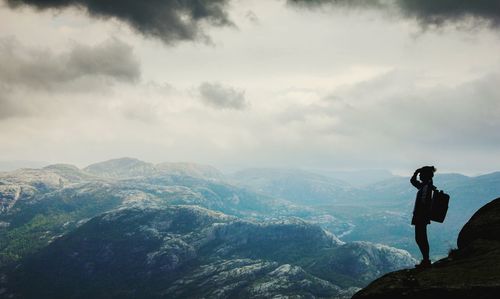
<point x="26" y="73"/>
<point x="427" y="12"/>
<point x="222" y="97"/>
<point x="169" y="20"/>
<point x="42" y="69"/>
<point x="112" y="59"/>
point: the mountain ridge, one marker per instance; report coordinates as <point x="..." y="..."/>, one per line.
<point x="127" y="248"/>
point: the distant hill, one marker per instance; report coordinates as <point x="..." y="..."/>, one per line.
<point x="357" y="178"/>
<point x="471" y="271"/>
<point x="69" y="172"/>
<point x="131" y="167"/>
<point x="377" y="212"/>
<point x="382" y="212"/>
<point x="295" y="185"/>
<point x="121" y="168"/>
<point x="14" y="165"/>
<point x="191" y="169"/>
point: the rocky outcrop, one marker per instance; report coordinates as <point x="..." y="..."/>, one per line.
<point x="247" y="278"/>
<point x="471" y="271"/>
<point x="484" y="225"/>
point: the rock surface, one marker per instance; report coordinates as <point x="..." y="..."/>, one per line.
<point x="471" y="271"/>
<point x="192" y="252"/>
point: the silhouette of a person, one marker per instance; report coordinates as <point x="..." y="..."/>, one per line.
<point x="421" y="211"/>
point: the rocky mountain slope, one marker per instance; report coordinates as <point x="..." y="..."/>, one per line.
<point x="377" y="212"/>
<point x="135" y="229"/>
<point x="37" y="205"/>
<point x="471" y="271"/>
<point x="188" y="251"/>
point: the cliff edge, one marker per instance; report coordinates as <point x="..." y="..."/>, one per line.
<point x="470" y="271"/>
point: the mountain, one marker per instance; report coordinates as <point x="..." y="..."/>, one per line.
<point x="69" y="173"/>
<point x="382" y="212"/>
<point x="357" y="178"/>
<point x="39" y="205"/>
<point x="377" y="212"/>
<point x="295" y="185"/>
<point x="470" y="271"/>
<point x="24" y="183"/>
<point x="191" y="169"/>
<point x="191" y="252"/>
<point x="131" y="167"/>
<point x="14" y="165"/>
<point x="121" y="168"/>
<point x="33" y="201"/>
<point x="320" y="243"/>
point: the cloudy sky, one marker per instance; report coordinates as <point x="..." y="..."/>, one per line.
<point x="390" y="84"/>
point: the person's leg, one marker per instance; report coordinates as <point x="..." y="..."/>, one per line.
<point x="421" y="239"/>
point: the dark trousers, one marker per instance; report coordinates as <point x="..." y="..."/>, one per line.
<point x="421" y="238"/>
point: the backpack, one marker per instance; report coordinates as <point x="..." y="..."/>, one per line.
<point x="439" y="206"/>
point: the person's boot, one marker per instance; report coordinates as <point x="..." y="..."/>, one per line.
<point x="425" y="263"/>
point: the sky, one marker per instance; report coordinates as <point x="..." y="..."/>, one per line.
<point x="331" y="84"/>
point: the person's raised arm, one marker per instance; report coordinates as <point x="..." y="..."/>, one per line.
<point x="414" y="181"/>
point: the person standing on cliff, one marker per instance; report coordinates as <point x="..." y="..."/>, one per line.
<point x="421" y="211"/>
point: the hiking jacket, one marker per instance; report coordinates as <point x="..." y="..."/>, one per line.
<point x="422" y="207"/>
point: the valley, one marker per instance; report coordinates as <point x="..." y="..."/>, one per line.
<point x="255" y="233"/>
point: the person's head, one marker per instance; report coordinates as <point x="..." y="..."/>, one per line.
<point x="427" y="173"/>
